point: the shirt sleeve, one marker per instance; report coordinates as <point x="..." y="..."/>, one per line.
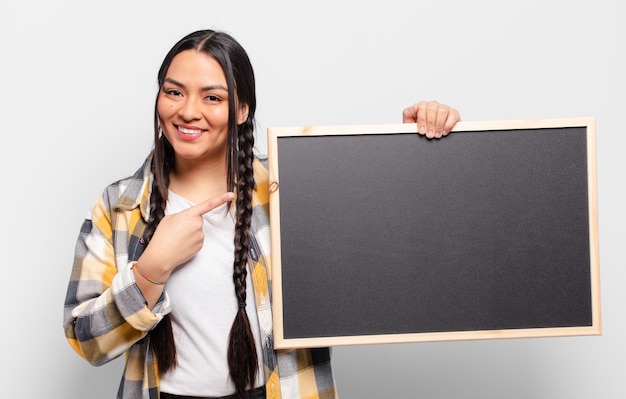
<point x="105" y="312"/>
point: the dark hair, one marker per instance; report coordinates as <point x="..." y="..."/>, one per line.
<point x="242" y="354"/>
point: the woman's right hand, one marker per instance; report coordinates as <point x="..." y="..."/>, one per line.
<point x="177" y="239"/>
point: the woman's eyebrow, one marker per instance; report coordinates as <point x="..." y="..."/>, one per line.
<point x="210" y="87"/>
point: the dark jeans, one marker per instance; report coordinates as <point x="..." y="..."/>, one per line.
<point x="258" y="393"/>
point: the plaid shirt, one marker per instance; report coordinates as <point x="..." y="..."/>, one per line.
<point x="105" y="314"/>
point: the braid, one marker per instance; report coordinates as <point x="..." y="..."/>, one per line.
<point x="242" y="354"/>
<point x="161" y="171"/>
<point x="162" y="335"/>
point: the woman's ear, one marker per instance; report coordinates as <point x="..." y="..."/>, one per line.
<point x="242" y="113"/>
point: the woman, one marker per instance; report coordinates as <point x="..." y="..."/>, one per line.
<point x="194" y="216"/>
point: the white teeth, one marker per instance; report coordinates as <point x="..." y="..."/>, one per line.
<point x="189" y="131"/>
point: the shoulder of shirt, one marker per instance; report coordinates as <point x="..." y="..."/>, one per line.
<point x="127" y="193"/>
<point x="260" y="169"/>
<point x="261" y="180"/>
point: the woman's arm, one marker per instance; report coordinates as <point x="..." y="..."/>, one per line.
<point x="105" y="312"/>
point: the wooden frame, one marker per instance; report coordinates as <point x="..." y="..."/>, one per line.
<point x="559" y="305"/>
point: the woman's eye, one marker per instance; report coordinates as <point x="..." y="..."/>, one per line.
<point x="173" y="92"/>
<point x="212" y="98"/>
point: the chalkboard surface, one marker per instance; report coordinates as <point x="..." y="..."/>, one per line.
<point x="381" y="235"/>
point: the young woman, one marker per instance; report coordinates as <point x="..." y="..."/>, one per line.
<point x="172" y="265"/>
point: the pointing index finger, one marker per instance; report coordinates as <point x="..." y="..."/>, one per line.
<point x="212" y="203"/>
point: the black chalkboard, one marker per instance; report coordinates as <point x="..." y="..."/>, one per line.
<point x="382" y="235"/>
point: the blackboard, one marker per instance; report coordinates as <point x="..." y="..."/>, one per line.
<point x="380" y="235"/>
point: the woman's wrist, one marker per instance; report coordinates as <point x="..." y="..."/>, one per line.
<point x="135" y="266"/>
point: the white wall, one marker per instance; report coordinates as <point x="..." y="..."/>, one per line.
<point x="77" y="86"/>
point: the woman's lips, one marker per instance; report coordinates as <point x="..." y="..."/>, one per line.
<point x="189" y="134"/>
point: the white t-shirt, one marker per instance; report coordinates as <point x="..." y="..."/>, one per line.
<point x="204" y="304"/>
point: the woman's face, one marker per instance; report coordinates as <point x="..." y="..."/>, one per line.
<point x="193" y="107"/>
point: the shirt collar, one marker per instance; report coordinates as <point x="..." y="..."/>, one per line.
<point x="136" y="190"/>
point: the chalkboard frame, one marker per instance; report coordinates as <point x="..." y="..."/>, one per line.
<point x="285" y="341"/>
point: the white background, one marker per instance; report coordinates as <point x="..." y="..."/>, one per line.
<point x="77" y="87"/>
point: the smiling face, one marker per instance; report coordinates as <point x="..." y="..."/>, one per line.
<point x="193" y="108"/>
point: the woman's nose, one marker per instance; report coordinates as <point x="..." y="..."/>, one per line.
<point x="190" y="109"/>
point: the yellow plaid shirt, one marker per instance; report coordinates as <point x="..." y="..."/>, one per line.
<point x="105" y="314"/>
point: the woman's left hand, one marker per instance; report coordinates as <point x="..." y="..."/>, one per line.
<point x="434" y="120"/>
